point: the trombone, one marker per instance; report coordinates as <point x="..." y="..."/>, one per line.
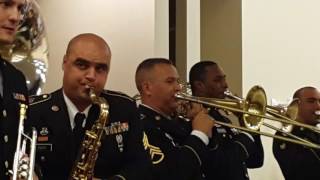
<point x="23" y="165"/>
<point x="253" y="109"/>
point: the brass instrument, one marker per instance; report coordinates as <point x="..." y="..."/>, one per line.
<point x="289" y="113"/>
<point x="87" y="156"/>
<point x="23" y="165"/>
<point x="29" y="52"/>
<point x="253" y="109"/>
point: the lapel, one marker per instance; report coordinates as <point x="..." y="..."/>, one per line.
<point x="176" y="128"/>
<point x="11" y="90"/>
<point x="59" y="119"/>
<point x="6" y="83"/>
<point x="92" y="116"/>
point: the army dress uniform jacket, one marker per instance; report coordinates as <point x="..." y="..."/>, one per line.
<point x="175" y="154"/>
<point x="121" y="155"/>
<point x="298" y="162"/>
<point x="231" y="152"/>
<point x="14" y="93"/>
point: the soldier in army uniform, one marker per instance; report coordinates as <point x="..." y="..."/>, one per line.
<point x="231" y="151"/>
<point x="177" y="147"/>
<point x="121" y="156"/>
<point x="297" y="161"/>
<point x="13" y="89"/>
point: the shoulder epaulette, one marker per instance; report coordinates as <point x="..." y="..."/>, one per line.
<point x="118" y="94"/>
<point x="36" y="99"/>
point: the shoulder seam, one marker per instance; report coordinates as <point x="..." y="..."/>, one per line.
<point x="118" y="95"/>
<point x="194" y="152"/>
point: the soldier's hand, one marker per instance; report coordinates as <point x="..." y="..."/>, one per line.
<point x="203" y="122"/>
<point x="193" y="110"/>
<point x="35" y="177"/>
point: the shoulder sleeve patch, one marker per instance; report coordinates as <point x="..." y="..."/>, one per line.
<point x="155" y="152"/>
<point x="33" y="100"/>
<point x="118" y="94"/>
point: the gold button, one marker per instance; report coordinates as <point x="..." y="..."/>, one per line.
<point x="6" y="138"/>
<point x="55" y="108"/>
<point x="45" y="96"/>
<point x="4" y="113"/>
<point x="43" y="158"/>
<point x="283" y="146"/>
<point x="6" y="163"/>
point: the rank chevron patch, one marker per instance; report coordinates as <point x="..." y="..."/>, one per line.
<point x="155" y="152"/>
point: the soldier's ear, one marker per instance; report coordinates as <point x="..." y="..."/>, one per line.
<point x="146" y="88"/>
<point x="199" y="85"/>
<point x="64" y="61"/>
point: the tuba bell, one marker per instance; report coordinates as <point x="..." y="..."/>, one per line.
<point x="29" y="52"/>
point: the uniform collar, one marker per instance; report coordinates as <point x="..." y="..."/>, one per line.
<point x="162" y="114"/>
<point x="72" y="110"/>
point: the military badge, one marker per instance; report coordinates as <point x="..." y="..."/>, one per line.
<point x="43" y="135"/>
<point x="116" y="128"/>
<point x="221" y="130"/>
<point x="119" y="139"/>
<point x="142" y="116"/>
<point x="44" y="131"/>
<point x="19" y="97"/>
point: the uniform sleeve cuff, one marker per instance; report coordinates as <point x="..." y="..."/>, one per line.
<point x="204" y="138"/>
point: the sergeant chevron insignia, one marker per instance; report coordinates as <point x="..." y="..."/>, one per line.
<point x="155" y="152"/>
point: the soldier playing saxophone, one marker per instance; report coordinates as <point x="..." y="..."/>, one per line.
<point x="62" y="117"/>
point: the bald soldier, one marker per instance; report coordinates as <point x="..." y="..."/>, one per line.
<point x="297" y="161"/>
<point x="62" y="117"/>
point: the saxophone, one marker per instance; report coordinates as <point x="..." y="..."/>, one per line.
<point x="84" y="164"/>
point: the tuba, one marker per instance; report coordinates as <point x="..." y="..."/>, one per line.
<point x="23" y="165"/>
<point x="87" y="156"/>
<point x="29" y="52"/>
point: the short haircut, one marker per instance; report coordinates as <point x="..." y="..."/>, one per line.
<point x="145" y="66"/>
<point x="86" y="37"/>
<point x="198" y="72"/>
<point x="297" y="94"/>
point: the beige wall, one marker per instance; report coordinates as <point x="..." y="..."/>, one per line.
<point x="275" y="44"/>
<point x="280" y="43"/>
<point x="193" y="34"/>
<point x="161" y="24"/>
<point x="181" y="38"/>
<point x="128" y="26"/>
<point x="187" y="36"/>
<point x="221" y="38"/>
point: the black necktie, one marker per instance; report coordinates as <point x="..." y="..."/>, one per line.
<point x="78" y="129"/>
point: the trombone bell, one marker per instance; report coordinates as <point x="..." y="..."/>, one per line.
<point x="255" y="103"/>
